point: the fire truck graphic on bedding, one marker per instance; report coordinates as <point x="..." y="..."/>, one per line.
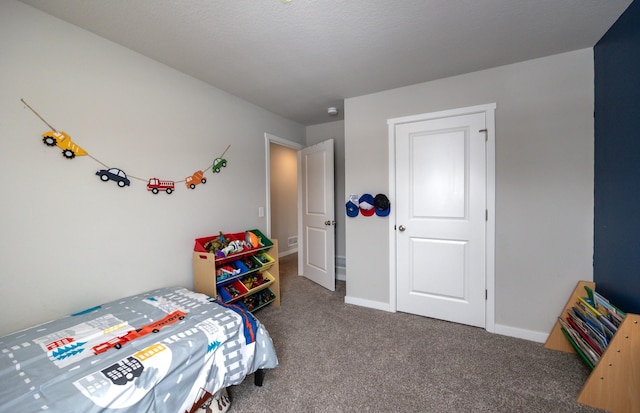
<point x="154" y="327"/>
<point x="59" y="343"/>
<point x="156" y="185"/>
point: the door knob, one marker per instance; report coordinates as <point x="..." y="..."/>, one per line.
<point x="402" y="228"/>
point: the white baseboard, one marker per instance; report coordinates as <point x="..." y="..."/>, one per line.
<point x="521" y="333"/>
<point x="287" y="252"/>
<point x="530" y="335"/>
<point x="499" y="329"/>
<point x="377" y="305"/>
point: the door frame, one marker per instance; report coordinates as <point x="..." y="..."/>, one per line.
<point x="489" y="111"/>
<point x="268" y="139"/>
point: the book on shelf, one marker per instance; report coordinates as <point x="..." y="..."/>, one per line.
<point x="578" y="345"/>
<point x="597" y="341"/>
<point x="612" y="314"/>
<point x="590" y="324"/>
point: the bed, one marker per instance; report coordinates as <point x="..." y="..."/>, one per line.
<point x="167" y="350"/>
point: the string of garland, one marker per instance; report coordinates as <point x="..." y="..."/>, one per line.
<point x="70" y="150"/>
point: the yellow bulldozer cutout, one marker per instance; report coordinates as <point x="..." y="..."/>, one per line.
<point x="64" y="142"/>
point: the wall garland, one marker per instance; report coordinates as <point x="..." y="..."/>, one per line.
<point x="70" y="150"/>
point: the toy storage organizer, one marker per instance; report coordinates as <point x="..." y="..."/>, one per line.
<point x="249" y="278"/>
<point x="614" y="383"/>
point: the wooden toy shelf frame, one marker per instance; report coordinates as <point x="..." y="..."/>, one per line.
<point x="204" y="274"/>
<point x="614" y="383"/>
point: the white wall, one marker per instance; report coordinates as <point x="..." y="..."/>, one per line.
<point x="284" y="196"/>
<point x="544" y="182"/>
<point x="69" y="241"/>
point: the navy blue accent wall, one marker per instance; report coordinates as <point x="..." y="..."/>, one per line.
<point x="617" y="162"/>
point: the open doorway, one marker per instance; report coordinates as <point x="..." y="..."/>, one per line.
<point x="308" y="225"/>
<point x="282" y="192"/>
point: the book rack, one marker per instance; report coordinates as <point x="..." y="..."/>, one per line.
<point x="614" y="383"/>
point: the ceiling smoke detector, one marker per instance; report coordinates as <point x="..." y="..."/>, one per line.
<point x="332" y="111"/>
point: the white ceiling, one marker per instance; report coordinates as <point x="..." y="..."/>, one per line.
<point x="298" y="58"/>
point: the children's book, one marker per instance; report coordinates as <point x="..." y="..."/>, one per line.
<point x="586" y="315"/>
<point x="584" y="333"/>
<point x="598" y="338"/>
<point x="612" y="313"/>
<point x="577" y="343"/>
<point x="590" y="324"/>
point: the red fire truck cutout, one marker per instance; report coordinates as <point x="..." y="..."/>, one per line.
<point x="154" y="327"/>
<point x="156" y="185"/>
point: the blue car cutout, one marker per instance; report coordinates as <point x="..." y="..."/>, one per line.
<point x="114" y="174"/>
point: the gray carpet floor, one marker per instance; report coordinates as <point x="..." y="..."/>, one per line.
<point x="336" y="357"/>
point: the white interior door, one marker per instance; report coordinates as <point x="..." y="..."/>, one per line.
<point x="318" y="220"/>
<point x="441" y="204"/>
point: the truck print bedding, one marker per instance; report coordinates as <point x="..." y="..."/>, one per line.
<point x="167" y="350"/>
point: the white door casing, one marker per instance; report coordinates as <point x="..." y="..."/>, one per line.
<point x="268" y="139"/>
<point x="318" y="215"/>
<point x="442" y="250"/>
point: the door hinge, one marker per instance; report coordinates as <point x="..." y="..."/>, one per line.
<point x="486" y="294"/>
<point x="486" y="214"/>
<point x="486" y="134"/>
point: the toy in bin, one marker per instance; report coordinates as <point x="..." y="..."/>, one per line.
<point x="264" y="258"/>
<point x="251" y="263"/>
<point x="230" y="269"/>
<point x="227" y="271"/>
<point x="223" y="246"/>
<point x="253" y="281"/>
<point x="258" y="300"/>
<point x="252" y="239"/>
<point x="233" y="291"/>
<point x="230" y="292"/>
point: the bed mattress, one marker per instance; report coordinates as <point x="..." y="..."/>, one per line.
<point x="166" y="350"/>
